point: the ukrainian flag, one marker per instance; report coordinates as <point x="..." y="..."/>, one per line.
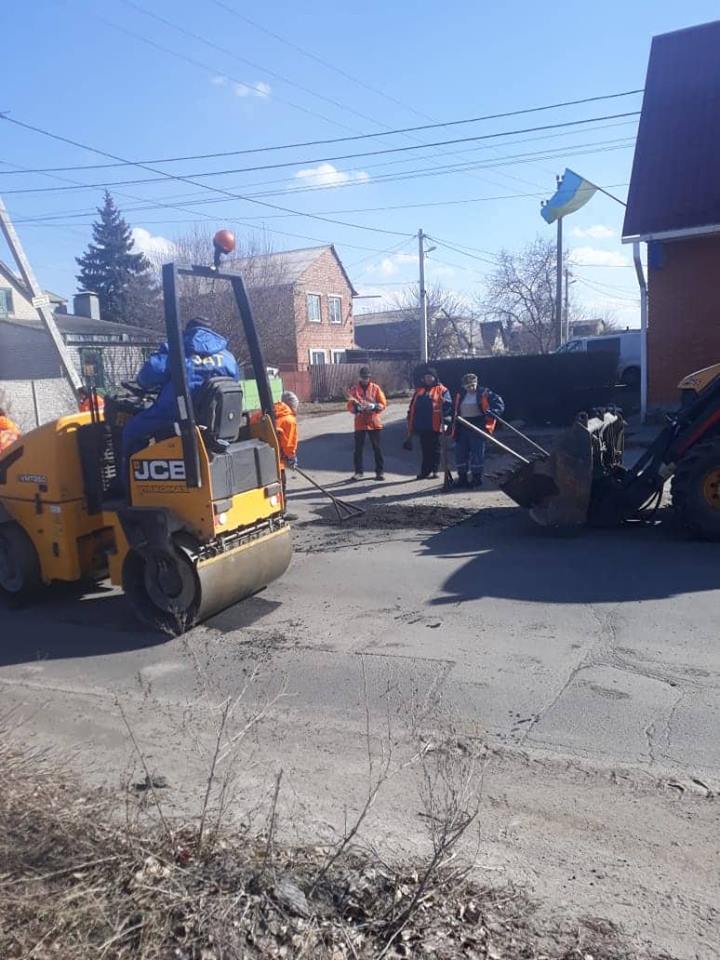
<point x="572" y="193"/>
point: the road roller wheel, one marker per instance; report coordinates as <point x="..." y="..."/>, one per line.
<point x="163" y="588"/>
<point x="696" y="490"/>
<point x="20" y="575"/>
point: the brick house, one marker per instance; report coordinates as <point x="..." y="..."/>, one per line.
<point x="674" y="206"/>
<point x="306" y="297"/>
<point x="31" y="381"/>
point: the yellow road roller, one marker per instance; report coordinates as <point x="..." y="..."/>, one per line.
<point x="197" y="524"/>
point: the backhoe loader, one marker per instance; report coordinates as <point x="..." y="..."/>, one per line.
<point x="583" y="479"/>
<point x="198" y="521"/>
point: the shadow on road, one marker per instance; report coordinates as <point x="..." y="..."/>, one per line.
<point x="509" y="558"/>
<point x="334" y="451"/>
<point x="64" y="623"/>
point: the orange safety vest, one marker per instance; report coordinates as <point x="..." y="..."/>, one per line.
<point x="86" y="404"/>
<point x="287" y="433"/>
<point x="285" y="428"/>
<point x="436" y="394"/>
<point x="9" y="433"/>
<point x="484" y="404"/>
<point x="366" y="420"/>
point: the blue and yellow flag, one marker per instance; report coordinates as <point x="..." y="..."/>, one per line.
<point x="572" y="193"/>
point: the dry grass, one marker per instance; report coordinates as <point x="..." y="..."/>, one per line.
<point x="79" y="880"/>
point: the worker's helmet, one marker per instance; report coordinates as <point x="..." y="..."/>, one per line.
<point x="364" y="373"/>
<point x="290" y="399"/>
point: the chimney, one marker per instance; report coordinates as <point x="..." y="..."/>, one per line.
<point x="86" y="304"/>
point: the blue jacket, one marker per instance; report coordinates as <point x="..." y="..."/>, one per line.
<point x="429" y="407"/>
<point x="206" y="356"/>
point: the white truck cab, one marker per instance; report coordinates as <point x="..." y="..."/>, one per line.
<point x="625" y="345"/>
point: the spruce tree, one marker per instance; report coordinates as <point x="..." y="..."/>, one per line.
<point x="122" y="278"/>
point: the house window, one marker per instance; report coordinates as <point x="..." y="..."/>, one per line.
<point x="92" y="367"/>
<point x="313" y="306"/>
<point x="317" y="358"/>
<point x="6" y="304"/>
<point x="338" y="356"/>
<point x="335" y="309"/>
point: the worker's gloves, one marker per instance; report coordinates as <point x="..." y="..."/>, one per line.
<point x="407" y="445"/>
<point x="291" y="462"/>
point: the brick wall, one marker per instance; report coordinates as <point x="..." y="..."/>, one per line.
<point x="684" y="314"/>
<point x="326" y="278"/>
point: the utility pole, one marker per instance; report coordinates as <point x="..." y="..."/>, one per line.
<point x="567" y="305"/>
<point x="423" y="299"/>
<point x="558" y="282"/>
<point x="39" y="299"/>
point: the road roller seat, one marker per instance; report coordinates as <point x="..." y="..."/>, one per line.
<point x="218" y="412"/>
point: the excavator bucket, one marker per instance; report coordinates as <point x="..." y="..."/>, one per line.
<point x="556" y="489"/>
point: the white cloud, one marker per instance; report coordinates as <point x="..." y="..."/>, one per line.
<point x="389" y="266"/>
<point x="326" y="175"/>
<point x="258" y="89"/>
<point x="592" y="257"/>
<point x="151" y="244"/>
<point x="597" y="232"/>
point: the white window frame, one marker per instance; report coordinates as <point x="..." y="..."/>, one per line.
<point x="334" y="354"/>
<point x="313" y="350"/>
<point x="7" y="310"/>
<point x="312" y="293"/>
<point x="338" y="297"/>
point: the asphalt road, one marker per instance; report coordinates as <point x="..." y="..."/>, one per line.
<point x="588" y="665"/>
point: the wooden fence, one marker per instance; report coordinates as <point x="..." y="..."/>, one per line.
<point x="329" y="381"/>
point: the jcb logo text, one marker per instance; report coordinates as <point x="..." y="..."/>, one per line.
<point x="159" y="469"/>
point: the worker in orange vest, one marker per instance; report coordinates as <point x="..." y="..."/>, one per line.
<point x="429" y="408"/>
<point x="477" y="405"/>
<point x="367" y="401"/>
<point x="286" y="428"/>
<point x="85" y="400"/>
<point x="287" y="433"/>
<point x="9" y="431"/>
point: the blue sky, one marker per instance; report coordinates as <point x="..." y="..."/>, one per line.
<point x="111" y="76"/>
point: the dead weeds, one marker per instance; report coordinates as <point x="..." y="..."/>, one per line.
<point x="76" y="883"/>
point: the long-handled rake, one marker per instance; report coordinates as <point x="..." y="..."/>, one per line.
<point x="343" y="509"/>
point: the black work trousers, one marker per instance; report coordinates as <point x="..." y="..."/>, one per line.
<point x="374" y="437"/>
<point x="430" y="448"/>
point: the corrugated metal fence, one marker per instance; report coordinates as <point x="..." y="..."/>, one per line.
<point x="329" y="381"/>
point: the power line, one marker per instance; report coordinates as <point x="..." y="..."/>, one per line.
<point x="149" y="205"/>
<point x="194" y="183"/>
<point x="569" y="150"/>
<point x="317" y="59"/>
<point x="364" y="136"/>
<point x="330" y="66"/>
<point x="256" y="66"/>
<point x="295" y="163"/>
<point x="473" y="256"/>
<point x="422" y="172"/>
<point x="206" y="68"/>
